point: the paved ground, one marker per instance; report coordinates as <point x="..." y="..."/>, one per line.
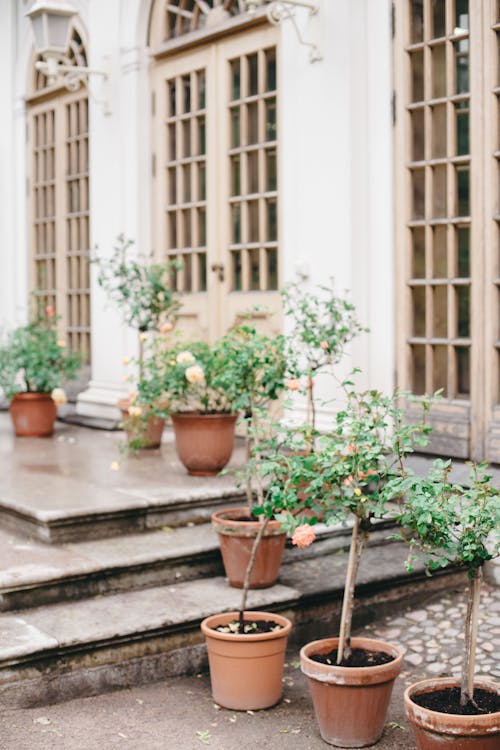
<point x="179" y="714"/>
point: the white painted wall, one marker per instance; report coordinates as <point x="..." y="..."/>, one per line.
<point x="336" y="167"/>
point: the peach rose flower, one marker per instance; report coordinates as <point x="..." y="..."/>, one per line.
<point x="303" y="536"/>
<point x="195" y="374"/>
<point x="50" y="311"/>
<point x="293" y="384"/>
<point x="185" y="358"/>
<point x="166" y="327"/>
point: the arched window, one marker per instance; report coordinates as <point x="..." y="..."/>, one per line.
<point x="215" y="160"/>
<point x="59" y="200"/>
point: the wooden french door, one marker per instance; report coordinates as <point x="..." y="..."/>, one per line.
<point x="215" y="180"/>
<point x="447" y="151"/>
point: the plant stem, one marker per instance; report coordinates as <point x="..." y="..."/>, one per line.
<point x="141" y="356"/>
<point x="248" y="572"/>
<point x="357" y="542"/>
<point x="471" y="624"/>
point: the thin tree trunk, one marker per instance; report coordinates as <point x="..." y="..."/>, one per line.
<point x="471" y="624"/>
<point x="357" y="542"/>
<point x="141" y="355"/>
<point x="310" y="387"/>
<point x="248" y="572"/>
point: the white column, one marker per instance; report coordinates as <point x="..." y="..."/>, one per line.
<point x="119" y="188"/>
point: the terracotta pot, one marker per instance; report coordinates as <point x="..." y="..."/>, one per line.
<point x="350" y="702"/>
<point x="204" y="442"/>
<point x="246" y="671"/>
<point x="149" y="432"/>
<point x="434" y="730"/>
<point x="236" y="539"/>
<point x="33" y="414"/>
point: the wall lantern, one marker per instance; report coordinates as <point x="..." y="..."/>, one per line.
<point x="51" y="23"/>
<point x="278" y="11"/>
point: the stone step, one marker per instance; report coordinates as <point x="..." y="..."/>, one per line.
<point x="33" y="573"/>
<point x="61" y="651"/>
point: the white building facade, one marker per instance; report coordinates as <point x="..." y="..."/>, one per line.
<point x="218" y="139"/>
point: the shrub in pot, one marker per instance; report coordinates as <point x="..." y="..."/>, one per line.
<point x="451" y="524"/>
<point x="351" y="679"/>
<point x="142" y="291"/>
<point x="34" y="362"/>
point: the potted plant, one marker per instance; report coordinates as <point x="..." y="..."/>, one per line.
<point x="451" y="524"/>
<point x="140" y="288"/>
<point x="351" y="679"/>
<point x="34" y="362"/>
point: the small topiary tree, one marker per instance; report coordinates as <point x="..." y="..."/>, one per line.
<point x="451" y="524"/>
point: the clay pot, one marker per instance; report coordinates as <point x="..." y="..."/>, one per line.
<point x="434" y="730"/>
<point x="350" y="702"/>
<point x="236" y="540"/>
<point x="204" y="442"/>
<point x="246" y="671"/>
<point x="33" y="414"/>
<point x="148" y="432"/>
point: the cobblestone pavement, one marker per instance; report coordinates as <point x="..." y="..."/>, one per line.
<point x="179" y="714"/>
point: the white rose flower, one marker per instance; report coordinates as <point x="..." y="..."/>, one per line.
<point x="135" y="411"/>
<point x="195" y="374"/>
<point x="185" y="358"/>
<point x="59" y="396"/>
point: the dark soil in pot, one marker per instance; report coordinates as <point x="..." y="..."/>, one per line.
<point x="359" y="657"/>
<point x="447" y="701"/>
<point x="250" y="627"/>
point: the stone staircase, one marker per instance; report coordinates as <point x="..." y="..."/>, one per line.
<point x="105" y="576"/>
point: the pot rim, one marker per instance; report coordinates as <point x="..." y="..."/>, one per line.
<point x="32" y="396"/>
<point x="190" y="414"/>
<point x="232" y="527"/>
<point x="351" y="675"/>
<point x="450" y="723"/>
<point x="223" y="617"/>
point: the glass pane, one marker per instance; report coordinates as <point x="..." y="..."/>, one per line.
<point x="439" y="131"/>
<point x="272" y="220"/>
<point x="418" y="132"/>
<point x="236" y="270"/>
<point x="438" y="18"/>
<point x="186" y="178"/>
<point x="235" y="176"/>
<point x="201" y="89"/>
<point x="253" y="171"/>
<point x="173" y="274"/>
<point x="254" y="257"/>
<point x="440" y="270"/>
<point x="418" y="304"/>
<point x="202" y="227"/>
<point x="463" y="370"/>
<point x="271" y="175"/>
<point x="235" y="127"/>
<point x="172" y="234"/>
<point x="253" y="75"/>
<point x="236" y="224"/>
<point x="202" y="145"/>
<point x="235" y="79"/>
<point x="418" y="193"/>
<point x="418" y="252"/>
<point x="202" y="271"/>
<point x="202" y="182"/>
<point x="439" y="71"/>
<point x="171" y="98"/>
<point x="253" y="123"/>
<point x="188" y="275"/>
<point x="463" y="206"/>
<point x="253" y="221"/>
<point x="186" y="220"/>
<point x="463" y="311"/>
<point x="271" y="69"/>
<point x="418" y="369"/>
<point x="439" y="192"/>
<point x="186" y="88"/>
<point x="172" y="185"/>
<point x="272" y="268"/>
<point x="417" y="21"/>
<point x="440" y="368"/>
<point x="171" y="141"/>
<point x="462" y="66"/>
<point x="271" y="120"/>
<point x="186" y="137"/>
<point x="440" y="312"/>
<point x="462" y="14"/>
<point x="417" y="76"/>
<point x="462" y="134"/>
<point x="463" y="263"/>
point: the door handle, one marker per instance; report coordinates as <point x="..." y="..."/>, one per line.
<point x="218" y="268"/>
